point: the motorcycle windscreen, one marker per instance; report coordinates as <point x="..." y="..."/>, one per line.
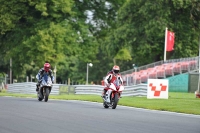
<point x="117" y="83"/>
<point x="121" y="88"/>
<point x="46" y="81"/>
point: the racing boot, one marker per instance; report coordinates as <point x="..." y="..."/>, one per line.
<point x="37" y="87"/>
<point x="103" y="94"/>
<point x="120" y="94"/>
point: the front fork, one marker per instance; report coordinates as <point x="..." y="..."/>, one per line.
<point x="110" y="95"/>
<point x="113" y="94"/>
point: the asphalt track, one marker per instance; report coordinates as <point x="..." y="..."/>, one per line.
<point x="27" y="115"/>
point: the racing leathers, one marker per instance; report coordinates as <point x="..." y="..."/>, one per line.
<point x="110" y="78"/>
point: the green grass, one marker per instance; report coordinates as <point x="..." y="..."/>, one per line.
<point x="177" y="102"/>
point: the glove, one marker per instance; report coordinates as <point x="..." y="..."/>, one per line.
<point x="52" y="79"/>
<point x="40" y="80"/>
<point x="108" y="85"/>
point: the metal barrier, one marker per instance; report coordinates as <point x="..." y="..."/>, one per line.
<point x="29" y="88"/>
<point x="136" y="90"/>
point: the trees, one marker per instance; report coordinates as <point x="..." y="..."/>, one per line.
<point x="114" y="31"/>
<point x="54" y="30"/>
<point x="141" y="28"/>
<point x="34" y="31"/>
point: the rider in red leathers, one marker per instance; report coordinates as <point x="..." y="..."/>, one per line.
<point x="110" y="77"/>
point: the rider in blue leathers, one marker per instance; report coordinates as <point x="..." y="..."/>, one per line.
<point x="45" y="70"/>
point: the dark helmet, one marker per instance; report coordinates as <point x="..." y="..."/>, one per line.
<point x="47" y="66"/>
<point x="116" y="69"/>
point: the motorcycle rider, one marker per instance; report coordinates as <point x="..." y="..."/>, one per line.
<point x="110" y="77"/>
<point x="45" y="70"/>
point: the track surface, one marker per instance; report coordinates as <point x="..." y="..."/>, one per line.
<point x="27" y="115"/>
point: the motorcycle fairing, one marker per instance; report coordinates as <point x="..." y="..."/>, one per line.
<point x="108" y="93"/>
<point x="46" y="81"/>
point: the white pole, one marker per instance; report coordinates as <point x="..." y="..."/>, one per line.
<point x="26" y="78"/>
<point x="135" y="75"/>
<point x="68" y="81"/>
<point x="127" y="81"/>
<point x="88" y="64"/>
<point x="165" y="44"/>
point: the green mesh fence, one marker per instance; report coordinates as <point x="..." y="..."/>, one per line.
<point x="193" y="82"/>
<point x="178" y="83"/>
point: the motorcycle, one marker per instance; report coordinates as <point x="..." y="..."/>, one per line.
<point x="45" y="88"/>
<point x="113" y="94"/>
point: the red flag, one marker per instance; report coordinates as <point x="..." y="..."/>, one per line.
<point x="170" y="41"/>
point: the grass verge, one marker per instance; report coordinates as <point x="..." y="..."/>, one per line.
<point x="177" y="102"/>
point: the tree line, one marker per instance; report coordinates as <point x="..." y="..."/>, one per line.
<point x="71" y="33"/>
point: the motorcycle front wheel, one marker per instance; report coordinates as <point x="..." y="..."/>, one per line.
<point x="105" y="105"/>
<point x="40" y="99"/>
<point x="46" y="94"/>
<point x="115" y="101"/>
<point x="40" y="95"/>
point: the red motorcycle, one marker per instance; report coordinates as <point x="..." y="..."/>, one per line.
<point x="113" y="94"/>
